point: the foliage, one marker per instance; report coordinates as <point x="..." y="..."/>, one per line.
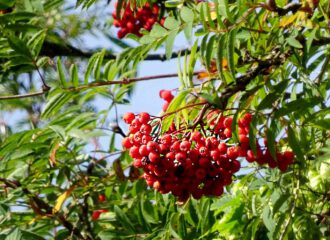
<point x="270" y="59"/>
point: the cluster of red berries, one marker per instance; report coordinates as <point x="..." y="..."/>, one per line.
<point x="222" y="126"/>
<point x="188" y="163"/>
<point x="167" y="96"/>
<point x="132" y="22"/>
<point x="97" y="213"/>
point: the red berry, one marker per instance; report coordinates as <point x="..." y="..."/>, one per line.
<point x="166" y="95"/>
<point x="128" y="117"/>
<point x="175" y="147"/>
<point x="232" y="152"/>
<point x="204" y="162"/>
<point x="222" y="147"/>
<point x="180" y="157"/>
<point x="185" y="146"/>
<point x="228" y="132"/>
<point x="288" y="156"/>
<point x="96" y="215"/>
<point x="153" y="157"/>
<point x="137" y="163"/>
<point x="143" y="151"/>
<point x="145" y="129"/>
<point x="144" y="117"/>
<point x="200" y="173"/>
<point x="156" y="185"/>
<point x="196" y="136"/>
<point x="126" y="143"/>
<point x="134" y="152"/>
<point x="244" y="140"/>
<point x="228" y="122"/>
<point x="215" y="154"/>
<point x="235" y="166"/>
<point x="203" y="151"/>
<point x="165" y="106"/>
<point x="101" y="198"/>
<point x="153" y="146"/>
<point x="166" y="139"/>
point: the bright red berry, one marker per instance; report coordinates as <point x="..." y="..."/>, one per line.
<point x="102" y="198"/>
<point x="128" y="117"/>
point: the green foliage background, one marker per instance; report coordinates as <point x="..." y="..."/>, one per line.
<point x="270" y="58"/>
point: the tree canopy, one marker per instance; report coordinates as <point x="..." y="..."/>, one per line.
<point x="239" y="150"/>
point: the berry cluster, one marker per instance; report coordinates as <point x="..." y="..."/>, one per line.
<point x="190" y="163"/>
<point x="167" y="96"/>
<point x="132" y="22"/>
<point x="222" y="126"/>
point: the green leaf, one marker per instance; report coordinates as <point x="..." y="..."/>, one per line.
<point x="220" y="46"/>
<point x="294" y="144"/>
<point x="268" y="220"/>
<point x="35" y="43"/>
<point x="5" y="4"/>
<point x="74" y="75"/>
<point x="16" y="234"/>
<point x="97" y="64"/>
<point x="90" y="66"/>
<point x="61" y="74"/>
<point x="299" y="105"/>
<point x="187" y="14"/>
<point x="173" y="3"/>
<point x="253" y="134"/>
<point x="174" y="105"/>
<point x="192" y="60"/>
<point x="209" y="51"/>
<point x="208" y="14"/>
<point x="169" y="44"/>
<point x="158" y="31"/>
<point x="271" y="144"/>
<point x="16" y="16"/>
<point x="321" y="123"/>
<point x="55" y="103"/>
<point x="122" y="217"/>
<point x="224" y="9"/>
<point x="294" y="42"/>
<point x="19" y="46"/>
<point x="230" y="51"/>
<point x="170" y="23"/>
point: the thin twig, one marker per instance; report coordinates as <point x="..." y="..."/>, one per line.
<point x="27" y="95"/>
<point x="125" y="81"/>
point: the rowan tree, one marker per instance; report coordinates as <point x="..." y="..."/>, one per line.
<point x="239" y="150"/>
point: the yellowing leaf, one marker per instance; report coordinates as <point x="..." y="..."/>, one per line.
<point x="213" y="15"/>
<point x="288" y="20"/>
<point x="52" y="155"/>
<point x="202" y="75"/>
<point x="60" y="200"/>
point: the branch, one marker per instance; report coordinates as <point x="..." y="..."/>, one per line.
<point x="94" y="84"/>
<point x="58" y="50"/>
<point x="27" y="95"/>
<point x="291" y="7"/>
<point x="125" y="81"/>
<point x="274" y="59"/>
